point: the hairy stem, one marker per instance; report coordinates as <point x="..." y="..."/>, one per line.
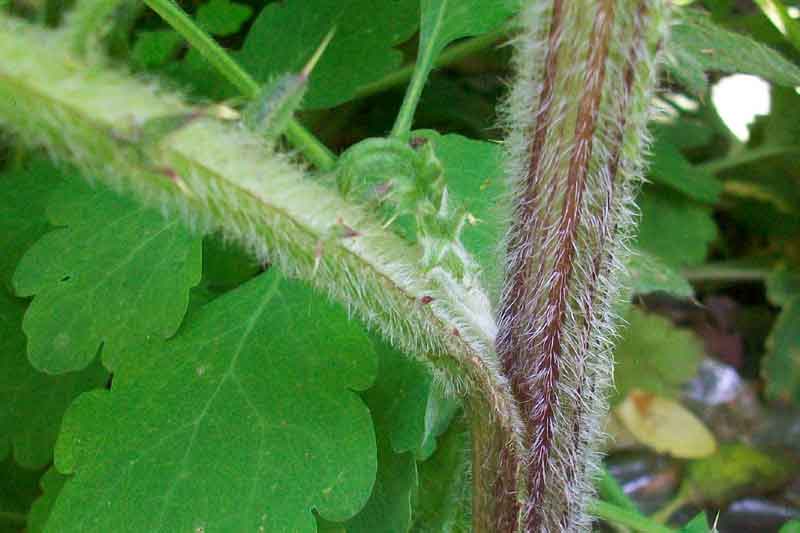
<point x="298" y="136"/>
<point x="220" y="177"/>
<point x="577" y="119"/>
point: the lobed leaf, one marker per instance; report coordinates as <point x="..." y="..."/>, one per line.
<point x="112" y="274"/>
<point x="32" y="403"/>
<point x="246" y="414"/>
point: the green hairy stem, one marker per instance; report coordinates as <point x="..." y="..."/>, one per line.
<point x="577" y="120"/>
<point x="535" y="380"/>
<point x="218" y="176"/>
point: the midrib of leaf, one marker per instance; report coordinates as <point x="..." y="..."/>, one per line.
<point x="376" y="273"/>
<point x="251" y="322"/>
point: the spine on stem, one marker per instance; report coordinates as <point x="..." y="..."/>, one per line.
<point x="576" y="117"/>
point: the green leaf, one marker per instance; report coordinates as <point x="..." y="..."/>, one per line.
<point x="781" y="365"/>
<point x="225" y="266"/>
<point x="18" y="488"/>
<point x="409" y="412"/>
<point x="698" y="524"/>
<point x="674" y="228"/>
<point x="698" y="45"/>
<point x="670" y="168"/>
<point x="792" y="526"/>
<point x="360" y="53"/>
<point x="245" y="413"/>
<point x="32" y="403"/>
<point x="649" y="274"/>
<point x="155" y="48"/>
<point x="408" y="397"/>
<point x="23" y="198"/>
<point x="50" y="485"/>
<point x="684" y="132"/>
<point x="444" y="21"/>
<point x="655" y="356"/>
<point x="733" y="470"/>
<point x="783" y="285"/>
<point x="222" y="17"/>
<point x="112" y="274"/>
<point x="474" y="174"/>
<point x="445" y="496"/>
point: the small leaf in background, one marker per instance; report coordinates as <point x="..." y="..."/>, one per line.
<point x="18" y="489"/>
<point x="361" y="51"/>
<point x="733" y="470"/>
<point x="791" y="527"/>
<point x="668" y="167"/>
<point x="24" y="195"/>
<point x="683" y="132"/>
<point x="699" y="45"/>
<point x="654" y="355"/>
<point x="665" y="425"/>
<point x="674" y="228"/>
<point x="248" y="413"/>
<point x="781" y="365"/>
<point x="155" y="48"/>
<point x="112" y="274"/>
<point x="698" y="524"/>
<point x="32" y="403"/>
<point x="649" y="274"/>
<point x="474" y="174"/>
<point x="444" y="498"/>
<point x="50" y="486"/>
<point x="222" y="17"/>
<point x="444" y="21"/>
<point x="783" y="285"/>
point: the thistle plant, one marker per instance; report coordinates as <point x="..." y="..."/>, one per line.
<point x="378" y="230"/>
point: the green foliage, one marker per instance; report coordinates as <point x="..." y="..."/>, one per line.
<point x="31" y="402"/>
<point x="443" y="500"/>
<point x="474" y="176"/>
<point x="734" y="468"/>
<point x="240" y="399"/>
<point x="700" y="46"/>
<point x="670" y="168"/>
<point x="649" y="274"/>
<point x="792" y="526"/>
<point x="654" y="355"/>
<point x="673" y="228"/>
<point x="50" y="485"/>
<point x="781" y="366"/>
<point x="361" y="50"/>
<point x="698" y="524"/>
<point x="112" y="274"/>
<point x="222" y="17"/>
<point x="257" y="414"/>
<point x="17" y="492"/>
<point x="23" y="199"/>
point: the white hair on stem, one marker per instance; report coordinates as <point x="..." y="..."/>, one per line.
<point x="576" y="120"/>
